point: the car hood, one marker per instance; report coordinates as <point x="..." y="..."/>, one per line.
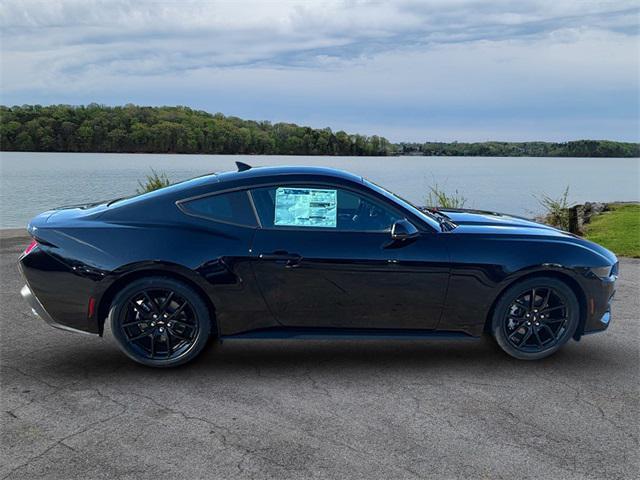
<point x="492" y="223"/>
<point x="477" y="219"/>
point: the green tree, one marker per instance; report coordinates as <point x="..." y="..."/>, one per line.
<point x="132" y="128"/>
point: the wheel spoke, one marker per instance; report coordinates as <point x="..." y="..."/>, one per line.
<point x="169" y="347"/>
<point x="153" y="345"/>
<point x="152" y="302"/>
<point x="166" y="302"/>
<point x="179" y="335"/>
<point x="182" y="322"/>
<point x="138" y="337"/>
<point x="545" y="302"/>
<point x="136" y="307"/>
<point x="177" y="312"/>
<point x="525" y="338"/>
<point x="513" y="333"/>
<point x="553" y="320"/>
<point x="552" y="309"/>
<point x="532" y="300"/>
<point x="135" y="322"/>
<point x="553" y="335"/>
<point x="518" y="322"/>
<point x="537" y="335"/>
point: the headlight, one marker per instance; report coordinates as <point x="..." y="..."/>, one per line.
<point x="603" y="272"/>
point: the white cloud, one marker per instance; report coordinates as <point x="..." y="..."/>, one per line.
<point x="404" y="63"/>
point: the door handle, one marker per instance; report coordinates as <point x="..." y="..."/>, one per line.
<point x="290" y="260"/>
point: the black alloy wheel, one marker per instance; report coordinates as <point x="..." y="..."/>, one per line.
<point x="160" y="322"/>
<point x="535" y="318"/>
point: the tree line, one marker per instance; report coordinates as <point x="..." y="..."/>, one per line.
<point x="578" y="148"/>
<point x="136" y="129"/>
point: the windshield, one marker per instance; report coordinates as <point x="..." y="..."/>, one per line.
<point x="429" y="218"/>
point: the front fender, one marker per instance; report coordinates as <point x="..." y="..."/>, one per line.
<point x="484" y="266"/>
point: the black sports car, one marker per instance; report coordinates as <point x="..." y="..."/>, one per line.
<point x="301" y="252"/>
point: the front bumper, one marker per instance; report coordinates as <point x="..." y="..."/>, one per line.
<point x="600" y="299"/>
<point x="601" y="324"/>
<point x="39" y="310"/>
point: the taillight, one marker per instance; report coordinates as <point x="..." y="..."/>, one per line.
<point x="31" y="246"/>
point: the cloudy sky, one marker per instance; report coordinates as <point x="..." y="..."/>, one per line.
<point x="409" y="70"/>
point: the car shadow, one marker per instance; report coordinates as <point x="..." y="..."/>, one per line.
<point x="278" y="358"/>
<point x="376" y="354"/>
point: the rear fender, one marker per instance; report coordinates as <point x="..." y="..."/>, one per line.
<point x="227" y="284"/>
<point x="128" y="273"/>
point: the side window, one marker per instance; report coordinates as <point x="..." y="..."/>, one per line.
<point x="305" y="207"/>
<point x="232" y="207"/>
<point x="356" y="212"/>
<point x="325" y="207"/>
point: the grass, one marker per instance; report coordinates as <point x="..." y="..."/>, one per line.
<point x="618" y="229"/>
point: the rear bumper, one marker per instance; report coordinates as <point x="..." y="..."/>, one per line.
<point x="40" y="311"/>
<point x="58" y="292"/>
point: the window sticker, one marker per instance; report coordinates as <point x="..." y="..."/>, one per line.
<point x="306" y="207"/>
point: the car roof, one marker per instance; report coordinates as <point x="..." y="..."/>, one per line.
<point x="245" y="178"/>
<point x="276" y="171"/>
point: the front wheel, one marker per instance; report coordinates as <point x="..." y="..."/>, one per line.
<point x="536" y="317"/>
<point x="160" y="322"/>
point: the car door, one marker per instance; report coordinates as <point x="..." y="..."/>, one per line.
<point x="323" y="257"/>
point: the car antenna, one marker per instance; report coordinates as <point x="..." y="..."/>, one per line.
<point x="243" y="166"/>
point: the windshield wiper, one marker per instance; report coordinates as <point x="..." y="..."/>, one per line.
<point x="110" y="202"/>
<point x="444" y="220"/>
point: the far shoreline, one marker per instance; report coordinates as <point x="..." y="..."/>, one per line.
<point x="258" y="155"/>
<point x="163" y="129"/>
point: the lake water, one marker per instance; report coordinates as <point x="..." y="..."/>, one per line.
<point x="34" y="182"/>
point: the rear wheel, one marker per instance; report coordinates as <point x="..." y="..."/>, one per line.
<point x="536" y="317"/>
<point x="160" y="322"/>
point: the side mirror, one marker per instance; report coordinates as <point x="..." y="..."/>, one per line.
<point x="404" y="230"/>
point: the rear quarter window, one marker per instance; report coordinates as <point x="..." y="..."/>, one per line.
<point x="232" y="207"/>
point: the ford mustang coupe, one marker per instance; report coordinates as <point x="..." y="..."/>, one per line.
<point x="302" y="252"/>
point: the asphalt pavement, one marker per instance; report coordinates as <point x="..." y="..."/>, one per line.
<point x="74" y="407"/>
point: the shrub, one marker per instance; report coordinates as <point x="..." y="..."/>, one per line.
<point x="439" y="198"/>
<point x="153" y="182"/>
<point x="556" y="210"/>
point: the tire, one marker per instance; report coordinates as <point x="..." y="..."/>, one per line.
<point x="535" y="318"/>
<point x="160" y="322"/>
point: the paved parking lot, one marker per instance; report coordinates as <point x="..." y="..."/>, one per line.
<point x="75" y="407"/>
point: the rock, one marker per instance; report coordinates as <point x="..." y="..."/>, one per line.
<point x="579" y="215"/>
